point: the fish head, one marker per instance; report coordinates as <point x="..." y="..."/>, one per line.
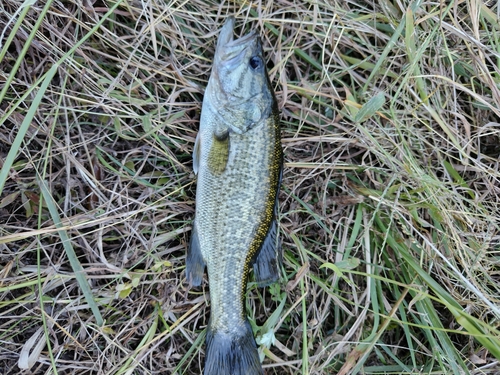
<point x="239" y="87"/>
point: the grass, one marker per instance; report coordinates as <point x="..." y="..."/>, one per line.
<point x="389" y="210"/>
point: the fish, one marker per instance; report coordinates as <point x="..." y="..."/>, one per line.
<point x="238" y="161"/>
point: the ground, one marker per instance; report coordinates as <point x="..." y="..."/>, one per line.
<point x="389" y="209"/>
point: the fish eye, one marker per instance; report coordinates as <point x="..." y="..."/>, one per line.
<point x="256" y="62"/>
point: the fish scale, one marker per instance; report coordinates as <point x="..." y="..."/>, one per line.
<point x="238" y="161"/>
<point x="233" y="200"/>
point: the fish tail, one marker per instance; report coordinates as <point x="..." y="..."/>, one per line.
<point x="232" y="353"/>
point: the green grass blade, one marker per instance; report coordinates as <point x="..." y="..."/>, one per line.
<point x="70" y="253"/>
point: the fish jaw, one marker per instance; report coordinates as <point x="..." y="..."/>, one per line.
<point x="230" y="52"/>
<point x="238" y="88"/>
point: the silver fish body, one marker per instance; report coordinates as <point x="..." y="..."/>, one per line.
<point x="238" y="162"/>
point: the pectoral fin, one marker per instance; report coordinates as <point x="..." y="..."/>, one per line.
<point x="219" y="153"/>
<point x="267" y="263"/>
<point x="195" y="265"/>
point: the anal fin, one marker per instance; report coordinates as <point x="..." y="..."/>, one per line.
<point x="195" y="265"/>
<point x="267" y="263"/>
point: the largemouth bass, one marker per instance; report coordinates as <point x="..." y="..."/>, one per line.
<point x="238" y="161"/>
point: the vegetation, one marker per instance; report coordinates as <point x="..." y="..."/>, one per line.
<point x="389" y="210"/>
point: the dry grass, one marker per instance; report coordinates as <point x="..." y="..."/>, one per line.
<point x="389" y="208"/>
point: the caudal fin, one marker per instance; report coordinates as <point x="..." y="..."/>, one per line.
<point x="232" y="353"/>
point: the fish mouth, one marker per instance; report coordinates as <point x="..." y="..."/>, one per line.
<point x="230" y="51"/>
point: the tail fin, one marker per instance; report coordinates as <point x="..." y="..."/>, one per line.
<point x="233" y="353"/>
